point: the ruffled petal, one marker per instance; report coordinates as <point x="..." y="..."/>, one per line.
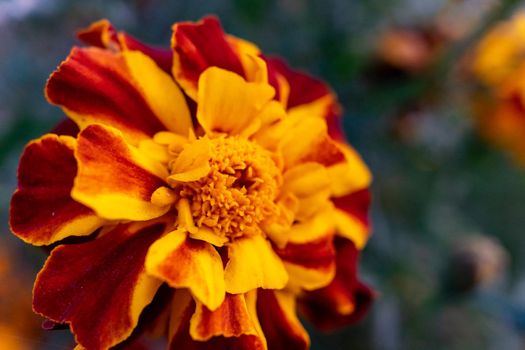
<point x="95" y="86"/>
<point x="42" y="210"/>
<point x="279" y="322"/>
<point x="99" y="287"/>
<point x="198" y="46"/>
<point x="253" y="264"/>
<point x="114" y="178"/>
<point x="183" y="262"/>
<point x="183" y="308"/>
<point x="229" y="104"/>
<point x="103" y="34"/>
<point x="231" y="319"/>
<point x="344" y="301"/>
<point x="310" y="265"/>
<point x="351" y="217"/>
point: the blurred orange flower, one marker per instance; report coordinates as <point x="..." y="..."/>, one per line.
<point x="19" y="327"/>
<point x="209" y="168"/>
<point x="498" y="62"/>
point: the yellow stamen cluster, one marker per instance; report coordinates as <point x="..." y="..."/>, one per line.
<point x="238" y="193"/>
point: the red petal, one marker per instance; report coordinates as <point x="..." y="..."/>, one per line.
<point x="333" y="121"/>
<point x="99" y="287"/>
<point x="280" y="324"/>
<point x="197" y="46"/>
<point x="346" y="300"/>
<point x="42" y="210"/>
<point x="66" y="127"/>
<point x="94" y="86"/>
<point x="304" y="89"/>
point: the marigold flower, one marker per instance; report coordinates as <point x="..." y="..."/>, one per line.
<point x="499" y="64"/>
<point x="218" y="190"/>
<point x="501" y="51"/>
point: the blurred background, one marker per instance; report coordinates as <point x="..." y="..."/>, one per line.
<point x="423" y="105"/>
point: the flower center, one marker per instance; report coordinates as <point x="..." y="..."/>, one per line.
<point x="239" y="191"/>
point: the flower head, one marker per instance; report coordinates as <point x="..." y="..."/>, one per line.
<point x="212" y="188"/>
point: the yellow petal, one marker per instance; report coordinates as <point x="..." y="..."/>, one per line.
<point x="272" y="112"/>
<point x="160" y="91"/>
<point x="317" y="108"/>
<point x="315" y="228"/>
<point x="184" y="216"/>
<point x="254" y="67"/>
<point x="306" y="179"/>
<point x="299" y="140"/>
<point x="193" y="162"/>
<point x="209" y="236"/>
<point x="308" y="279"/>
<point x="229" y="104"/>
<point x="349" y="176"/>
<point x="154" y="150"/>
<point x="351" y="228"/>
<point x="253" y="264"/>
<point x="188" y="263"/>
<point x="278" y="228"/>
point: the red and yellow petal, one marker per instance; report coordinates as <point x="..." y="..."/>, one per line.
<point x="350" y="173"/>
<point x="279" y="321"/>
<point x="99" y="287"/>
<point x="158" y="88"/>
<point x="103" y="34"/>
<point x="184" y="310"/>
<point x="42" y="210"/>
<point x="253" y="264"/>
<point x="305" y="139"/>
<point x="310" y="265"/>
<point x="345" y="300"/>
<point x="198" y="46"/>
<point x="96" y="86"/>
<point x="351" y="217"/>
<point x="231" y="319"/>
<point x="183" y="262"/>
<point x="114" y="178"/>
